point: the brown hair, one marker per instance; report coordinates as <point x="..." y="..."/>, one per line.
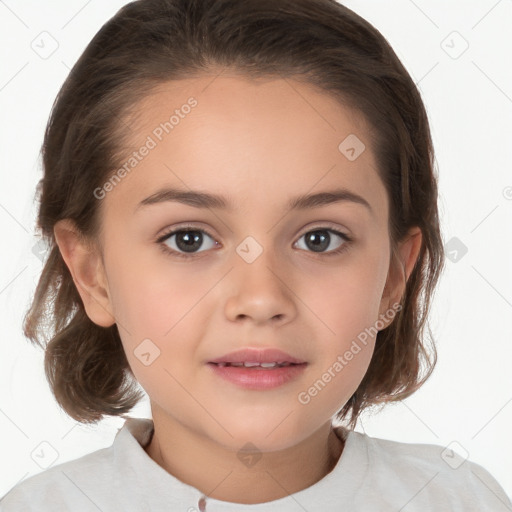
<point x="149" y="42"/>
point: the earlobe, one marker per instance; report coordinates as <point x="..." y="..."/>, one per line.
<point x="86" y="268"/>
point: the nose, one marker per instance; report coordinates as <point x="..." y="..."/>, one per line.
<point x="261" y="291"/>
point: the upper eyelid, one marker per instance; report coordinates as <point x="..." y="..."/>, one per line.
<point x="172" y="231"/>
<point x="326" y="226"/>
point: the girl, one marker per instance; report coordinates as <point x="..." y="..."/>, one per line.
<point x="242" y="210"/>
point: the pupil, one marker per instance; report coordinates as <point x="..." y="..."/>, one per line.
<point x="188" y="243"/>
<point x="318" y="239"/>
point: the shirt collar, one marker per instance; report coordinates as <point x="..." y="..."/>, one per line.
<point x="162" y="488"/>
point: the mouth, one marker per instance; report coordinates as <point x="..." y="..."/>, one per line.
<point x="258" y="376"/>
<point x="252" y="357"/>
<point x="257" y="366"/>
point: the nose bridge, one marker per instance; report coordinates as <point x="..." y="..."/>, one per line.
<point x="257" y="262"/>
<point x="260" y="290"/>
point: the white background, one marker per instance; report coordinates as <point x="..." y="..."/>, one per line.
<point x="469" y="101"/>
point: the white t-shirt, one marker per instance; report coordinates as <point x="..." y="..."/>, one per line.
<point x="372" y="475"/>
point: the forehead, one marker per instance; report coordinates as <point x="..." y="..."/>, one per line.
<point x="252" y="140"/>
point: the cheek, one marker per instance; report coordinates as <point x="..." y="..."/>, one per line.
<point x="345" y="339"/>
<point x="151" y="296"/>
<point x="346" y="299"/>
<point x="346" y="303"/>
<point x="158" y="314"/>
<point x="161" y="314"/>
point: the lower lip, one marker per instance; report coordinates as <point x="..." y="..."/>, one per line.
<point x="258" y="378"/>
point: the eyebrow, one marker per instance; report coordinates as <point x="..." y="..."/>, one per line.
<point x="205" y="200"/>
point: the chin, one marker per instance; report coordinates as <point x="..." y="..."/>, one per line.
<point x="267" y="434"/>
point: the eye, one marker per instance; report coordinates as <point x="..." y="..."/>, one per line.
<point x="186" y="239"/>
<point x="319" y="239"/>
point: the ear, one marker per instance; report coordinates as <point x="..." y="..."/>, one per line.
<point x="399" y="272"/>
<point x="86" y="267"/>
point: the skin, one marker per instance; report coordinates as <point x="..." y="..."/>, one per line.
<point x="259" y="143"/>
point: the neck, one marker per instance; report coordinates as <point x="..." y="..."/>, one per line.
<point x="216" y="471"/>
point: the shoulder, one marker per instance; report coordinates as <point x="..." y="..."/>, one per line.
<point x="423" y="476"/>
<point x="61" y="485"/>
<point x="102" y="480"/>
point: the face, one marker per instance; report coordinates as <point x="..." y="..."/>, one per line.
<point x="256" y="273"/>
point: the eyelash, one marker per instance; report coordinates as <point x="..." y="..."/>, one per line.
<point x="165" y="248"/>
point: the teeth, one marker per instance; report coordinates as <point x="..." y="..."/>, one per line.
<point x="252" y="364"/>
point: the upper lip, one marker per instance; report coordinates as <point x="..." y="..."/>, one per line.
<point x="257" y="355"/>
